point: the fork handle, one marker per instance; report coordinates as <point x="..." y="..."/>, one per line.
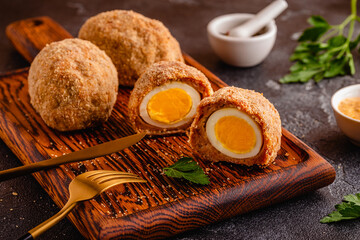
<point x="41" y="228"/>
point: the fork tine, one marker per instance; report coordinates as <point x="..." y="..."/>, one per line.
<point x="114" y="177"/>
<point x="99" y="177"/>
<point x="128" y="180"/>
<point x="110" y="183"/>
<point x="100" y="173"/>
<point x="93" y="173"/>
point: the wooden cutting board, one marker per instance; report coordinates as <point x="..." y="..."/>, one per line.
<point x="164" y="206"/>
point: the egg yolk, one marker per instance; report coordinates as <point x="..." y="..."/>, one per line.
<point x="169" y="106"/>
<point x="235" y="134"/>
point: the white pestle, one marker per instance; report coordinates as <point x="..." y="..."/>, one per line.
<point x="261" y="19"/>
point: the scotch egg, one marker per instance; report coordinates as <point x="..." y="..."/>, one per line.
<point x="234" y="133"/>
<point x="170" y="105"/>
<point x="165" y="98"/>
<point x="236" y="125"/>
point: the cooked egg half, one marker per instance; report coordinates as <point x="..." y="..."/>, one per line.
<point x="234" y="133"/>
<point x="170" y="105"/>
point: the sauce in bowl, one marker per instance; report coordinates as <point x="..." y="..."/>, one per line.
<point x="350" y="107"/>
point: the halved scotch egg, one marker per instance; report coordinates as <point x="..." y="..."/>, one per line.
<point x="165" y="98"/>
<point x="170" y="105"/>
<point x="236" y="125"/>
<point x="234" y="133"/>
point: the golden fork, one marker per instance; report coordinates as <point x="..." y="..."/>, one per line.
<point x="84" y="187"/>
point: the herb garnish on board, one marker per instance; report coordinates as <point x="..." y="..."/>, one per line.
<point x="324" y="51"/>
<point x="187" y="168"/>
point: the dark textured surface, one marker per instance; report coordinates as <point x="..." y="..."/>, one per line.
<point x="305" y="111"/>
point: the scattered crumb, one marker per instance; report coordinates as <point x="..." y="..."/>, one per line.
<point x="14" y="193"/>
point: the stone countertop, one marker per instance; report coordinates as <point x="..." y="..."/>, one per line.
<point x="305" y="111"/>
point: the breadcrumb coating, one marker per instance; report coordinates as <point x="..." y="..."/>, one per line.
<point x="158" y="74"/>
<point x="133" y="42"/>
<point x="252" y="103"/>
<point x="72" y="85"/>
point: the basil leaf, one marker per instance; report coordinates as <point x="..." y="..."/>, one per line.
<point x="198" y="176"/>
<point x="187" y="168"/>
<point x="185" y="164"/>
<point x="173" y="173"/>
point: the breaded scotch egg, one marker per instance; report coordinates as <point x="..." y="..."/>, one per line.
<point x="133" y="42"/>
<point x="165" y="97"/>
<point x="72" y="84"/>
<point x="236" y="125"/>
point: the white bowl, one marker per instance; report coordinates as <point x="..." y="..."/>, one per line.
<point x="349" y="126"/>
<point x="237" y="51"/>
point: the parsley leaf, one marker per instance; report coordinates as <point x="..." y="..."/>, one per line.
<point x="187" y="168"/>
<point x="323" y="51"/>
<point x="348" y="209"/>
<point x="313" y="33"/>
<point x="318" y="21"/>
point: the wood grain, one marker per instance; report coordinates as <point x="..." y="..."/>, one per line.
<point x="28" y="36"/>
<point x="163" y="206"/>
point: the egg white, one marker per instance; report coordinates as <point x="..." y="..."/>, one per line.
<point x="210" y="132"/>
<point x="195" y="98"/>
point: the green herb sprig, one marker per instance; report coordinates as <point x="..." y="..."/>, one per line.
<point x="187" y="168"/>
<point x="323" y="51"/>
<point x="348" y="209"/>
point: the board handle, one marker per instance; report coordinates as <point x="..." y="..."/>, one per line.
<point x="30" y="35"/>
